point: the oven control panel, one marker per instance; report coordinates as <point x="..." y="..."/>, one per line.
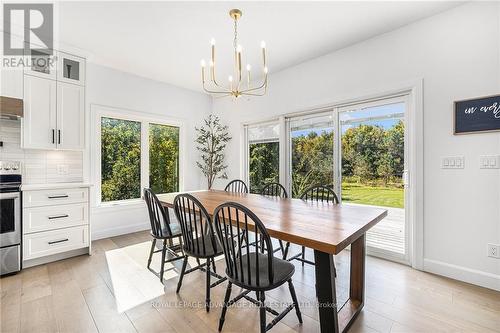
<point x="10" y="167"/>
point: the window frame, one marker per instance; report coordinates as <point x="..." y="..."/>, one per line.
<point x="245" y="166"/>
<point x="99" y="112"/>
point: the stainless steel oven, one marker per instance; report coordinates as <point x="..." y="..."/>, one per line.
<point x="10" y="218"/>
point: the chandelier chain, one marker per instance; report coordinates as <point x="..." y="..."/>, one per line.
<point x="235" y="41"/>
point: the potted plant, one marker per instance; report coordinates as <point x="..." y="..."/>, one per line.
<point x="211" y="140"/>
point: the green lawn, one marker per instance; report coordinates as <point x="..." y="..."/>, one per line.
<point x="373" y="195"/>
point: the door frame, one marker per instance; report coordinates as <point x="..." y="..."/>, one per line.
<point x="406" y="258"/>
<point x="414" y="90"/>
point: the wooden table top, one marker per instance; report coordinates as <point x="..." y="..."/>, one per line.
<point x="321" y="226"/>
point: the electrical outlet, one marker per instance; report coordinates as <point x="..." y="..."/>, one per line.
<point x="494" y="251"/>
<point x="62" y="169"/>
<point x="489" y="162"/>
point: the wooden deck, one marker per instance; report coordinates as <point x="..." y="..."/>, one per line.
<point x="388" y="234"/>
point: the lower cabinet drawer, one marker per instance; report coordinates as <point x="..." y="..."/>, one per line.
<point x="66" y="196"/>
<point x="55" y="241"/>
<point x="37" y="219"/>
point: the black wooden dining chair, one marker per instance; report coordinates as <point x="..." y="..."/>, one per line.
<point x="162" y="229"/>
<point x="276" y="190"/>
<point x="318" y="194"/>
<point x="236" y="185"/>
<point x="199" y="240"/>
<point x="257" y="271"/>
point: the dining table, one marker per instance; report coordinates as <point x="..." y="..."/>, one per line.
<point x="322" y="226"/>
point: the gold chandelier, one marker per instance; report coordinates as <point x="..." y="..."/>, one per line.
<point x="237" y="85"/>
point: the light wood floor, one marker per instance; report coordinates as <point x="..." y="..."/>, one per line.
<point x="111" y="291"/>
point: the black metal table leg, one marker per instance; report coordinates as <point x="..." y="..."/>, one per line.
<point x="325" y="292"/>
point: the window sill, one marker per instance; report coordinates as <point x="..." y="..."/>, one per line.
<point x="132" y="203"/>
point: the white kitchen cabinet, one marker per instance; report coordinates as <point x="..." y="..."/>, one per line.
<point x="70" y="116"/>
<point x="51" y="242"/>
<point x="54" y="114"/>
<point x="54" y="217"/>
<point x="51" y="197"/>
<point x="56" y="222"/>
<point x="40" y="110"/>
<point x="11" y="72"/>
<point x="71" y="69"/>
<point x="43" y="64"/>
<point x="12" y="83"/>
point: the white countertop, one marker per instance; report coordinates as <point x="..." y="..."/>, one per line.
<point x="32" y="187"/>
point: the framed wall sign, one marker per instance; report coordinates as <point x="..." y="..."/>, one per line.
<point x="477" y="115"/>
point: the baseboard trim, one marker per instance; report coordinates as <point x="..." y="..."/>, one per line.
<point x="473" y="276"/>
<point x="117" y="231"/>
<point x="55" y="257"/>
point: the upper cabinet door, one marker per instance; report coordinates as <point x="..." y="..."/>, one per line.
<point x="39" y="122"/>
<point x="42" y="64"/>
<point x="11" y="73"/>
<point x="71" y="69"/>
<point x="70" y="116"/>
<point x="11" y="83"/>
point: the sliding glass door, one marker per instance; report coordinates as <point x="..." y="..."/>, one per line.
<point x="374" y="169"/>
<point x="311" y="151"/>
<point x="360" y="151"/>
<point x="263" y="155"/>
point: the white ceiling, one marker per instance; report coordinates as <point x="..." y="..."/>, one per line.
<point x="165" y="40"/>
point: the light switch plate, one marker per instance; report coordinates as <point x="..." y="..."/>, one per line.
<point x="489" y="162"/>
<point x="453" y="162"/>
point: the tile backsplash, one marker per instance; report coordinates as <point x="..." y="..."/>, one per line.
<point x="39" y="166"/>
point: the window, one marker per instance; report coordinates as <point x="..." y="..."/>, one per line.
<point x="163" y="158"/>
<point x="120" y="159"/>
<point x="136" y="152"/>
<point x="263" y="149"/>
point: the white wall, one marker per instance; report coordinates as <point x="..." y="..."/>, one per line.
<point x="457" y="55"/>
<point x="109" y="87"/>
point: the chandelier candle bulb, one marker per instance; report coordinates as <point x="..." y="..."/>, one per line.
<point x="212" y="74"/>
<point x="248" y="76"/>
<point x="239" y="63"/>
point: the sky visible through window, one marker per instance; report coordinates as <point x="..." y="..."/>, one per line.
<point x="383" y="110"/>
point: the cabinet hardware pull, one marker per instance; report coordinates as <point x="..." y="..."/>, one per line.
<point x="58" y="241"/>
<point x="53" y="136"/>
<point x="58" y="217"/>
<point x="58" y="196"/>
<point x="59" y="136"/>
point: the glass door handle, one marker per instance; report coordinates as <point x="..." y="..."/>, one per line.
<point x="406" y="178"/>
